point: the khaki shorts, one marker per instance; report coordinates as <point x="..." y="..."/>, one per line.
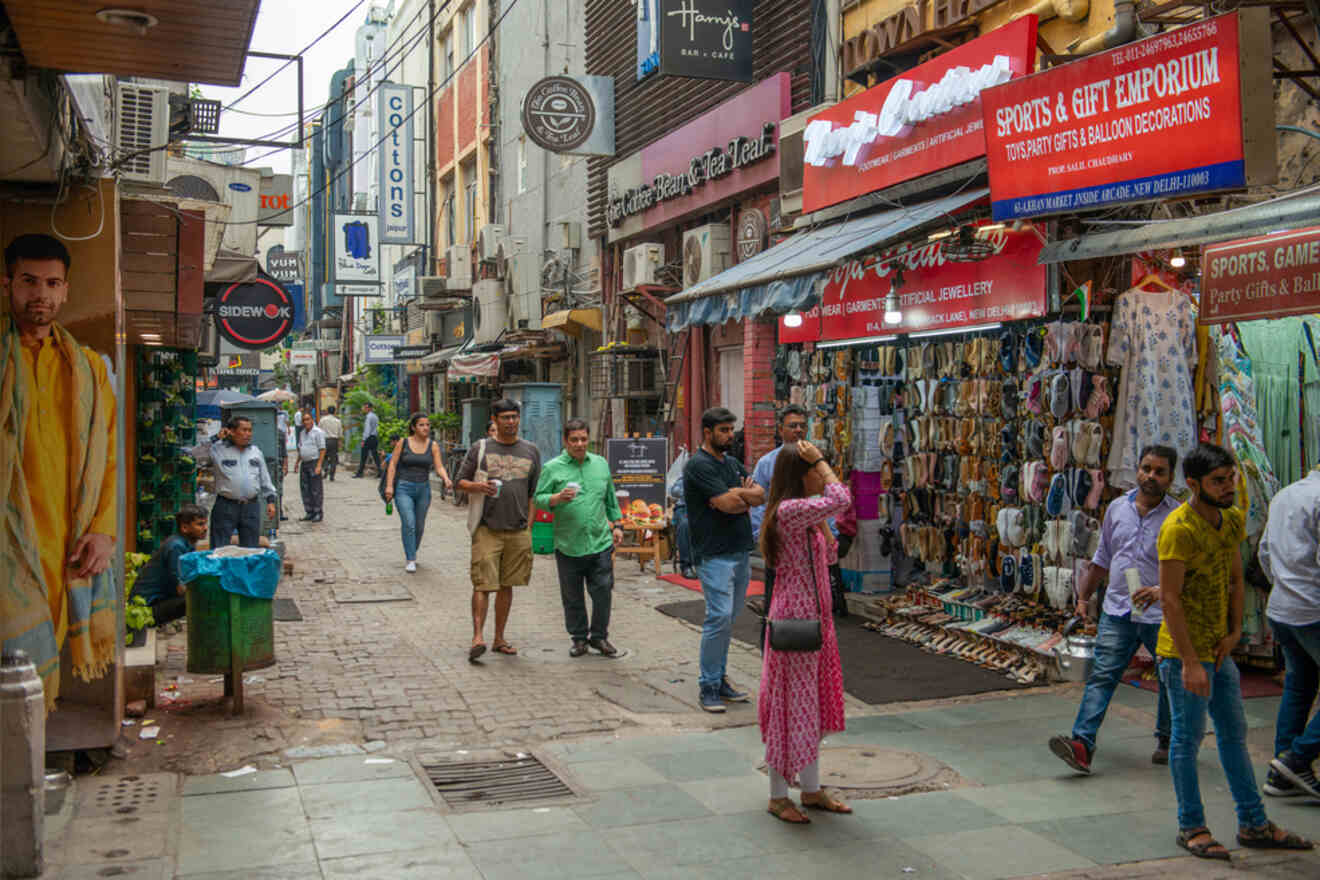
<point x="501" y="559"/>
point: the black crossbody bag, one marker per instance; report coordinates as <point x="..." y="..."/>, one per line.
<point x="800" y="635"/>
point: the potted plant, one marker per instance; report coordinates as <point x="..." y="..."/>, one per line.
<point x="137" y="613"/>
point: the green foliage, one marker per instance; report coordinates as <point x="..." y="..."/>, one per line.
<point x="137" y="615"/>
<point x="390" y="431"/>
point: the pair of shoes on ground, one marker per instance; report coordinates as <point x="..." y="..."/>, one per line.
<point x="1077" y="755"/>
<point x="602" y="646"/>
<point x="1202" y="844"/>
<point x="713" y="698"/>
<point x="785" y="810"/>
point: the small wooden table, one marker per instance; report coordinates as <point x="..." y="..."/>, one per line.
<point x="646" y="548"/>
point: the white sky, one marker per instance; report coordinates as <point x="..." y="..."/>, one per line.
<point x="286" y="26"/>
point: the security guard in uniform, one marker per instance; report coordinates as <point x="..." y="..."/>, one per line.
<point x="241" y="478"/>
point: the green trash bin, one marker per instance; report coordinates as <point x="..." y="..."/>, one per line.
<point x="228" y="634"/>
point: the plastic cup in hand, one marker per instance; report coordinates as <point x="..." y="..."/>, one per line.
<point x="1133" y="578"/>
<point x="575" y="489"/>
<point x="497" y="484"/>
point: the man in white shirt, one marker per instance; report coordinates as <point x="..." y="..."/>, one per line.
<point x="334" y="430"/>
<point x="311" y="459"/>
<point x="1290" y="557"/>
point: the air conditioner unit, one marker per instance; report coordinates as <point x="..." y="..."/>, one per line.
<point x="459" y="261"/>
<point x="490" y="241"/>
<point x="705" y="252"/>
<point x="489" y="310"/>
<point x="231" y="185"/>
<point x="435" y="324"/>
<point x="142" y="130"/>
<point x="640" y="264"/>
<point x="431" y="286"/>
<point x="524" y="284"/>
<point x="570" y="235"/>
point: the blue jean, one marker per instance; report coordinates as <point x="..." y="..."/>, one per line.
<point x="724" y="584"/>
<point x="1301" y="657"/>
<point x="1188" y="712"/>
<point x="1116" y="640"/>
<point x="412" y="501"/>
<point x="683" y="535"/>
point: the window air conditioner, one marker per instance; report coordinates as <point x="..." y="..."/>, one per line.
<point x="142" y="131"/>
<point x="640" y="264"/>
<point x="705" y="252"/>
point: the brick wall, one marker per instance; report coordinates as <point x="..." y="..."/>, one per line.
<point x="759" y="387"/>
<point x="444" y="128"/>
<point x="467" y="105"/>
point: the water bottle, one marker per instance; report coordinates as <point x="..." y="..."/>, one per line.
<point x="389" y="507"/>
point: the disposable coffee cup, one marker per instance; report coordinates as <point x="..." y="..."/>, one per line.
<point x="497" y="484"/>
<point x="576" y="487"/>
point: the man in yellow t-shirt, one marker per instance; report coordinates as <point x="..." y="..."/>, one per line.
<point x="1202" y="591"/>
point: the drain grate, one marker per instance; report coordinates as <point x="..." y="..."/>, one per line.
<point x="469" y="784"/>
<point x="113" y="796"/>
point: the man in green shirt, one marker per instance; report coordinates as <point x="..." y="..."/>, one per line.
<point x="576" y="485"/>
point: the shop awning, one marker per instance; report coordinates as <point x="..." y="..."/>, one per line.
<point x="1286" y="212"/>
<point x="437" y="358"/>
<point x="783" y="278"/>
<point x="573" y="321"/>
<point x="475" y="365"/>
<point x="232" y="267"/>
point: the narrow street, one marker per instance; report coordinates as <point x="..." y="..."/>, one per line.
<point x="330" y="771"/>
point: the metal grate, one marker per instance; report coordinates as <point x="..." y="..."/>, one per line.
<point x="115" y="796"/>
<point x="497" y="782"/>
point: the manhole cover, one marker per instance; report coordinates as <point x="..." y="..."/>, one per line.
<point x="114" y="796"/>
<point x="480" y="784"/>
<point x="864" y="772"/>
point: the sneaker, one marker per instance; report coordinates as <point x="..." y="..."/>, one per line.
<point x="710" y="699"/>
<point x="1298" y="772"/>
<point x="1072" y="752"/>
<point x="1161" y="753"/>
<point x="1277" y="785"/>
<point x="730" y="694"/>
<point x="410" y="567"/>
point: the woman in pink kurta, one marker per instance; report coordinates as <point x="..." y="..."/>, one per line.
<point x="801" y="694"/>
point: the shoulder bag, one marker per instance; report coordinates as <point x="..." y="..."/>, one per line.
<point x="800" y="635"/>
<point x="477" y="501"/>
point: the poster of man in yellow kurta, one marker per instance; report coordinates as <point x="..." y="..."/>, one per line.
<point x="57" y="474"/>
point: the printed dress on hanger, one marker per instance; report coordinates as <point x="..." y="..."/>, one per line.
<point x="1153" y="338"/>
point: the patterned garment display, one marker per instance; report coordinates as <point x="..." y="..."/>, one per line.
<point x="801" y="697"/>
<point x="1153" y="338"/>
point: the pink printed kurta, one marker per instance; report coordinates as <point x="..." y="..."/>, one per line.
<point x="801" y="696"/>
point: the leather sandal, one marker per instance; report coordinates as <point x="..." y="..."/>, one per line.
<point x="1207" y="849"/>
<point x="785" y="810"/>
<point x="1265" y="838"/>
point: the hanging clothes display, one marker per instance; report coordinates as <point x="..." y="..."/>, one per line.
<point x="1242" y="430"/>
<point x="1153" y="339"/>
<point x="1274" y="346"/>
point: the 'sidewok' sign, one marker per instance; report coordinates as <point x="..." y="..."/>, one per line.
<point x="256" y="314"/>
<point x="1263" y="277"/>
<point x="1157" y="118"/>
<point x="924" y="120"/>
<point x="937" y="293"/>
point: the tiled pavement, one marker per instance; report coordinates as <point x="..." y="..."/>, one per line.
<point x="690" y="805"/>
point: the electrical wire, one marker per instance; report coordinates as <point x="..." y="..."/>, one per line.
<point x="100" y="226"/>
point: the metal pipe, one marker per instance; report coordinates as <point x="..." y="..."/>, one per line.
<point x="1124" y="29"/>
<point x="1299" y="130"/>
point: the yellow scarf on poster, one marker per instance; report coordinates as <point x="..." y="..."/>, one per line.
<point x="25" y="622"/>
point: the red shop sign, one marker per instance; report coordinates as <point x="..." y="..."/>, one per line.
<point x="924" y="120"/>
<point x="937" y="293"/>
<point x="1157" y="118"/>
<point x="1264" y="277"/>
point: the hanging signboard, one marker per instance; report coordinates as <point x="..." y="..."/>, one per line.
<point x="1268" y="276"/>
<point x="302" y="358"/>
<point x="638" y="467"/>
<point x="239" y="365"/>
<point x="571" y="114"/>
<point x="924" y="120"/>
<point x="396" y="199"/>
<point x="1187" y="111"/>
<point x="706" y="39"/>
<point x="936" y="293"/>
<point x="275" y="200"/>
<point x="380" y="349"/>
<point x="356" y="254"/>
<point x="256" y="314"/>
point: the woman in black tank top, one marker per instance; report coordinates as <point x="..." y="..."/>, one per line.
<point x="408" y="482"/>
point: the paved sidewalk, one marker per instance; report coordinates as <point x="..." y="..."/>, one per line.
<point x="691" y="805"/>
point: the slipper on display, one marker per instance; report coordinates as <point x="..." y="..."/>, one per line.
<point x="1034" y="347"/>
<point x="1059" y="448"/>
<point x="1008" y="351"/>
<point x="1080" y="486"/>
<point x="1097" y="488"/>
<point x="1060" y="396"/>
<point x="1008" y="399"/>
<point x="1008" y="483"/>
<point x="1057" y="495"/>
<point x="1008" y="573"/>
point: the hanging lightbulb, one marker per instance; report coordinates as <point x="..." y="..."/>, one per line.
<point x="893" y="315"/>
<point x="793" y="319"/>
<point x="1177" y="261"/>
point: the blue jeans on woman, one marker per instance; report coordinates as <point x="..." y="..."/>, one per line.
<point x="1301" y="658"/>
<point x="1116" y="640"/>
<point x="412" y="501"/>
<point x="1225" y="708"/>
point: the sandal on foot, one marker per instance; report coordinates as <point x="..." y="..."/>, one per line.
<point x="826" y="803"/>
<point x="475" y="651"/>
<point x="1209" y="849"/>
<point x="504" y="648"/>
<point x="1265" y="838"/>
<point x="785" y="810"/>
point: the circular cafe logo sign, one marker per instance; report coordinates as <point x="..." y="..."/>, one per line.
<point x="558" y="114"/>
<point x="257" y="314"/>
<point x="751" y="233"/>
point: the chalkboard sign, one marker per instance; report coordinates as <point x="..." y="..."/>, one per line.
<point x="638" y="465"/>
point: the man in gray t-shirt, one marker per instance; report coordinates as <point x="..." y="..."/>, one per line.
<point x="502" y="544"/>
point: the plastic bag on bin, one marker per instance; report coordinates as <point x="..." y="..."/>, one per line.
<point x="254" y="574"/>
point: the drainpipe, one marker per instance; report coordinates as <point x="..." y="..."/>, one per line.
<point x="1068" y="10"/>
<point x="1124" y="29"/>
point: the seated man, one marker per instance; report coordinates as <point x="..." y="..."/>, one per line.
<point x="158" y="581"/>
